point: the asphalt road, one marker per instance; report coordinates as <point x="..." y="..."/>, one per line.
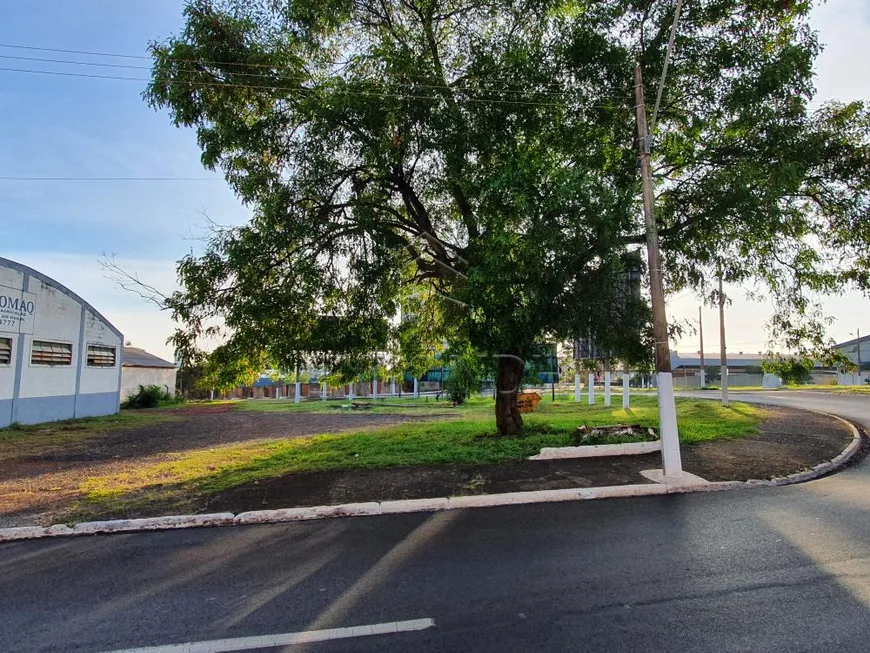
<point x="758" y="570"/>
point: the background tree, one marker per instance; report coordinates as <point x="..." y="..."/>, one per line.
<point x="486" y="150"/>
<point x="793" y="370"/>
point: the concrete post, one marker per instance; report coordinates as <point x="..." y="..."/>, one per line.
<point x="350" y="390"/>
<point x="591" y="388"/>
<point x="671" y="460"/>
<point x="607" y="389"/>
<point x="324" y="391"/>
<point x="577" y="388"/>
<point x="416" y="389"/>
<point x="375" y="389"/>
<point x="393" y="387"/>
<point x="297" y="394"/>
<point x="626" y="401"/>
<point x="703" y="378"/>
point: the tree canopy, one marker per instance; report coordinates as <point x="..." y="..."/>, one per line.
<point x="481" y="157"/>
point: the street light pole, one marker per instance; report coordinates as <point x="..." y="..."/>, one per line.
<point x="671" y="459"/>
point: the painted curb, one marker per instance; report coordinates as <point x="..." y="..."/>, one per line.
<point x="372" y="508"/>
<point x="598" y="450"/>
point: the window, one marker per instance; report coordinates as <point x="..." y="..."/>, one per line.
<point x="50" y="353"/>
<point x="100" y="356"/>
<point x="5" y="351"/>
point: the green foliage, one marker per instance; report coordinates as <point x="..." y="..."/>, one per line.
<point x="463" y="374"/>
<point x="486" y="153"/>
<point x="150" y="397"/>
<point x="712" y="374"/>
<point x="793" y="370"/>
<point x="226" y="368"/>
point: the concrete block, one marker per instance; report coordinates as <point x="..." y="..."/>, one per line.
<point x="58" y="530"/>
<point x="414" y="505"/>
<point x="21" y="533"/>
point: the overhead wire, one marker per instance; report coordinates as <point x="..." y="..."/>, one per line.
<point x="615" y="94"/>
<point x="303" y="89"/>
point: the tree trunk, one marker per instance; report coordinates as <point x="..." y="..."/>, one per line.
<point x="507" y="416"/>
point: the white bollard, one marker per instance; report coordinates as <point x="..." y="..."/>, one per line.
<point x="324" y="391"/>
<point x="350" y="390"/>
<point x="416" y="389"/>
<point x="577" y="388"/>
<point x="607" y="389"/>
<point x="393" y="386"/>
<point x="626" y="402"/>
<point x="375" y="389"/>
<point x="297" y="395"/>
<point x="670" y="436"/>
<point x="591" y="388"/>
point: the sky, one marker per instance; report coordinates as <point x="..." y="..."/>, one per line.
<point x="67" y="126"/>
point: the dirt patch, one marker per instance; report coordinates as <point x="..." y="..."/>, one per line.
<point x="790" y="441"/>
<point x="44" y="490"/>
<point x="44" y="487"/>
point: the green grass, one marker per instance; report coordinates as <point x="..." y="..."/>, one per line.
<point x="470" y="439"/>
<point x="383" y="405"/>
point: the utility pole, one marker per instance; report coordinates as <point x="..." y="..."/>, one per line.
<point x="723" y="358"/>
<point x="701" y="334"/>
<point x="671" y="460"/>
<point x="858" y="350"/>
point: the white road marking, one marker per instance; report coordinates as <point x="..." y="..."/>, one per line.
<point x="285" y="639"/>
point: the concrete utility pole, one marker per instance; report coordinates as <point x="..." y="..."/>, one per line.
<point x="701" y="334"/>
<point x="858" y="350"/>
<point x="723" y="358"/>
<point x="671" y="460"/>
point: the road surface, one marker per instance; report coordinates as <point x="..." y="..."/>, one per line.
<point x="758" y="570"/>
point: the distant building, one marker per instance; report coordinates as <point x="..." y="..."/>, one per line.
<point x="855" y="349"/>
<point x="59" y="358"/>
<point x="738" y="362"/>
<point x="143" y="369"/>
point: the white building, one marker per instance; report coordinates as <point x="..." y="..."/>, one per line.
<point x="143" y="369"/>
<point x="59" y="358"/>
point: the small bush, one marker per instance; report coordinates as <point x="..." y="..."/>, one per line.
<point x="149" y="397"/>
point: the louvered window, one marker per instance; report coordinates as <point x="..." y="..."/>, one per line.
<point x="99" y="356"/>
<point x="56" y="354"/>
<point x="5" y="351"/>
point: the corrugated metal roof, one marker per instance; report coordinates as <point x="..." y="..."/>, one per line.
<point x="135" y="357"/>
<point x="853" y="342"/>
<point x="735" y="359"/>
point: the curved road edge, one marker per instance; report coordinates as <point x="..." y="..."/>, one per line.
<point x="173" y="522"/>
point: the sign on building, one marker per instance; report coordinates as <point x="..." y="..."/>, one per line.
<point x="17" y="310"/>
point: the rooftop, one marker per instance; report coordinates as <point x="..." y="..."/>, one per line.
<point x="135" y="357"/>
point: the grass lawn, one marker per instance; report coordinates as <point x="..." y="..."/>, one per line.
<point x="470" y="437"/>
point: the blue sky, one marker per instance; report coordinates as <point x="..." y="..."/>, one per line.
<point x="73" y="126"/>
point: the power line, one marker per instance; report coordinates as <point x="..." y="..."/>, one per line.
<point x="6" y="178"/>
<point x="619" y="95"/>
<point x="299" y="89"/>
<point x="292" y="77"/>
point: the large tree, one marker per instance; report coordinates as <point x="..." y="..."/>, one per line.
<point x="486" y="151"/>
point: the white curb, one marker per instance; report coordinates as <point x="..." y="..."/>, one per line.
<point x="418" y="505"/>
<point x="596" y="450"/>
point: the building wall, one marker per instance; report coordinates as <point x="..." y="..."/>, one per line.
<point x="32" y="393"/>
<point x="133" y="377"/>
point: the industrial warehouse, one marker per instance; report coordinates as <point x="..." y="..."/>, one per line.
<point x="59" y="358"/>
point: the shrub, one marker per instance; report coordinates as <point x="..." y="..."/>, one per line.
<point x="463" y="377"/>
<point x="149" y="397"/>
